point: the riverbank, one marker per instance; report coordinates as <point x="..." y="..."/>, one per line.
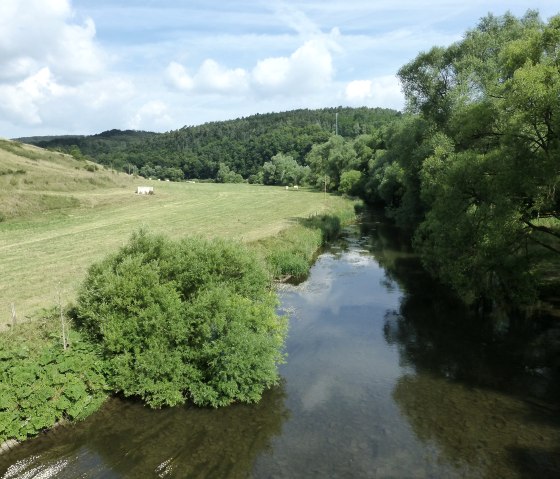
<point x="44" y="382"/>
<point x="387" y="375"/>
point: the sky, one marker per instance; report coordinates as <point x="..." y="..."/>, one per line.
<point x="86" y="66"/>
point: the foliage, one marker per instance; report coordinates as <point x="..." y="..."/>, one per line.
<point x="329" y="160"/>
<point x="497" y="175"/>
<point x="244" y="145"/>
<point x="284" y="170"/>
<point x="474" y="170"/>
<point x="9" y="171"/>
<point x="41" y="384"/>
<point x="108" y="148"/>
<point x="292" y="251"/>
<point x="225" y="175"/>
<point x="18" y="149"/>
<point x="350" y="182"/>
<point x="191" y="319"/>
<point x="236" y="343"/>
<point x="231" y="343"/>
<point x="163" y="173"/>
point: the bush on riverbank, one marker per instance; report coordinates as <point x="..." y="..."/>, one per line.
<point x="193" y="319"/>
<point x="292" y="252"/>
<point x="41" y="383"/>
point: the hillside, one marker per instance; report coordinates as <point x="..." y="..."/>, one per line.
<point x="33" y="180"/>
<point x="244" y="144"/>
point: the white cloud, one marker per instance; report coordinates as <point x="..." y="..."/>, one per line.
<point x="43" y="103"/>
<point x="214" y="78"/>
<point x="93" y="106"/>
<point x="75" y="53"/>
<point x="296" y="19"/>
<point x="211" y="77"/>
<point x="152" y="113"/>
<point x="83" y="66"/>
<point x="14" y="69"/>
<point x="272" y="72"/>
<point x="358" y="90"/>
<point x="42" y="33"/>
<point x="384" y="91"/>
<point x="53" y="74"/>
<point x="21" y="102"/>
<point x="309" y="68"/>
<point x="178" y="76"/>
<point x="48" y="62"/>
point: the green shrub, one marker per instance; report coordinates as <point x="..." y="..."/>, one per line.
<point x="193" y="319"/>
<point x="293" y="251"/>
<point x="9" y="171"/>
<point x="328" y="225"/>
<point x="350" y="182"/>
<point x="41" y="384"/>
<point x="289" y="261"/>
<point x="238" y="344"/>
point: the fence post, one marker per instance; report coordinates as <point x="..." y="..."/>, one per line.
<point x="62" y="322"/>
<point x="14" y="316"/>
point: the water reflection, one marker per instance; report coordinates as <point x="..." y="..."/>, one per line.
<point x="493" y="434"/>
<point x="127" y="440"/>
<point x="478" y="388"/>
<point x="340" y="376"/>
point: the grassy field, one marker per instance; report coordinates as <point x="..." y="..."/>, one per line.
<point x="58" y="218"/>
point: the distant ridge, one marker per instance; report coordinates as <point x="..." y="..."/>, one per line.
<point x="243" y="144"/>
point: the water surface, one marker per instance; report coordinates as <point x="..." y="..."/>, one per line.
<point x="387" y="376"/>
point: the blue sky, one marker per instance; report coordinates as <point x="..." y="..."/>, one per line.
<point x="84" y="66"/>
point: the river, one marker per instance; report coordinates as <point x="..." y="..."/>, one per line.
<point x="387" y="376"/>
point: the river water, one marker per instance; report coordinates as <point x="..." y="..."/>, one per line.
<point x="386" y="377"/>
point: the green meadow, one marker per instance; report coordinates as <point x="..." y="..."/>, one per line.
<point x="60" y="215"/>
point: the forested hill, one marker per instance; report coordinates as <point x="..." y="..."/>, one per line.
<point x="106" y="147"/>
<point x="242" y="145"/>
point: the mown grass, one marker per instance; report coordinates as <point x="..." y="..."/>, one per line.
<point x="49" y="245"/>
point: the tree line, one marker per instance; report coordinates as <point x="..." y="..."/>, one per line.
<point x="473" y="170"/>
<point x="210" y="151"/>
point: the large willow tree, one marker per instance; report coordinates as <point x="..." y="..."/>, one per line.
<point x="490" y="181"/>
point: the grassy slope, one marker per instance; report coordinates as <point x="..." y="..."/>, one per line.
<point x="66" y="218"/>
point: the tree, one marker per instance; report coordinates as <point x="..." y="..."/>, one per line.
<point x="328" y="160"/>
<point x="173" y="174"/>
<point x="350" y="182"/>
<point x="489" y="177"/>
<point x="193" y="320"/>
<point x="283" y="170"/>
<point x="394" y="170"/>
<point x="225" y="175"/>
